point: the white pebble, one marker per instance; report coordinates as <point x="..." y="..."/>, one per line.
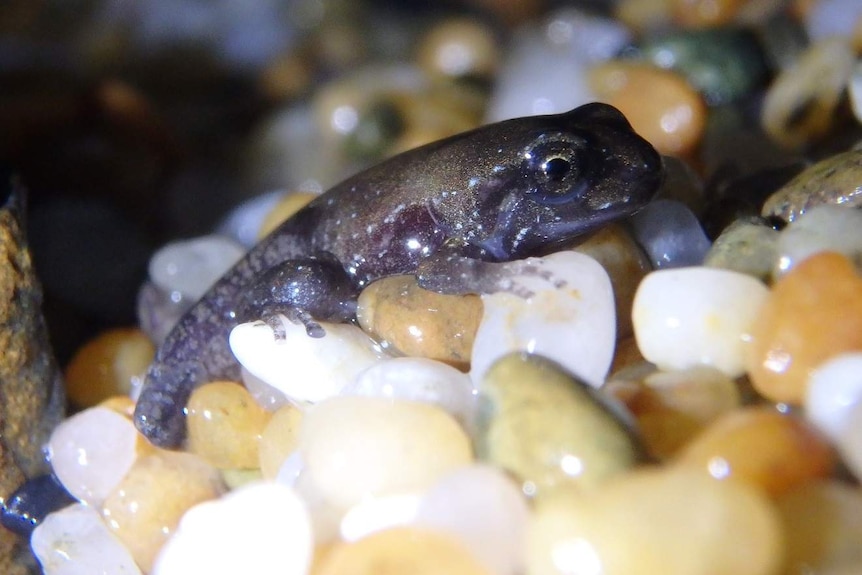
<point x="379" y="513"/>
<point x="834" y="389"/>
<point x="827" y="18"/>
<point x="854" y="91"/>
<point x="265" y="395"/>
<point x="92" y="451"/>
<point x="685" y="317"/>
<point x="261" y="528"/>
<point x="244" y="222"/>
<point x="305" y="369"/>
<point x="849" y="441"/>
<point x="821" y="228"/>
<point x="75" y="541"/>
<point x="188" y="268"/>
<point x="587" y="36"/>
<point x="574" y="325"/>
<point x="419" y="379"/>
<point x="486" y="510"/>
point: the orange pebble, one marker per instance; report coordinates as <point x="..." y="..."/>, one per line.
<point x="122" y="404"/>
<point x="704" y="13"/>
<point x="661" y="106"/>
<point x="761" y="447"/>
<point x="284" y="209"/>
<point x="107" y="365"/>
<point x="812" y="314"/>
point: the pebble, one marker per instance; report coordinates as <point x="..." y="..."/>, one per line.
<point x="813" y="313"/>
<point x="704" y="13"/>
<point x="686" y="317"/>
<point x="186" y="269"/>
<point x="283" y="210"/>
<point x="91" y="452"/>
<point x="419" y="322"/>
<point x="548" y="428"/>
<point x="143" y="514"/>
<point x="822" y="523"/>
<point x="820" y="228"/>
<point x="266" y="396"/>
<point x="378" y="514"/>
<point x="399" y="551"/>
<point x="854" y="90"/>
<point x="573" y="323"/>
<point x="761" y="447"/>
<point x="656" y="521"/>
<point x="75" y="541"/>
<point x="849" y="442"/>
<point x="358" y="447"/>
<point x="305" y="369"/>
<point x="243" y="222"/>
<point x="833" y="392"/>
<point x="799" y="106"/>
<point x="829" y="18"/>
<point x="261" y="528"/>
<point x="419" y="379"/>
<point x="834" y="180"/>
<point x="26" y="507"/>
<point x="660" y="105"/>
<point x="745" y="246"/>
<point x="485" y="510"/>
<point x="586" y="35"/>
<point x="112" y="363"/>
<point x="278" y="440"/>
<point x="459" y="48"/>
<point x="670" y="234"/>
<point x="225" y="425"/>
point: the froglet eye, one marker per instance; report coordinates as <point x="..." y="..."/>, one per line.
<point x="557" y="166"/>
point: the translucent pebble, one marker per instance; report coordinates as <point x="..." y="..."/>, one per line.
<point x="854" y="90"/>
<point x="485" y="510"/>
<point x="279" y="439"/>
<point x="379" y="513"/>
<point x="697" y="316"/>
<point x="587" y="36"/>
<point x="459" y="47"/>
<point x="833" y="392"/>
<point x="652" y="522"/>
<point x="266" y="396"/>
<point x="244" y="222"/>
<point x="261" y="528"/>
<point x="849" y="442"/>
<point x="569" y="318"/>
<point x="190" y="267"/>
<point x="399" y="551"/>
<point x="419" y="379"/>
<point x="145" y="508"/>
<point x="92" y="451"/>
<point x="670" y="234"/>
<point x="75" y="541"/>
<point x="747" y="247"/>
<point x="358" y="447"/>
<point x="305" y="369"/>
<point x="820" y="228"/>
<point x="827" y="18"/>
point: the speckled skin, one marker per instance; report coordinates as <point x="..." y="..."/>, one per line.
<point x="497" y="193"/>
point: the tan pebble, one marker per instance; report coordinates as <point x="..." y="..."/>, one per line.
<point x="285" y="77"/>
<point x="762" y="447"/>
<point x="122" y="404"/>
<point x="822" y="526"/>
<point x="225" y="425"/>
<point x="279" y="439"/>
<point x="661" y="106"/>
<point x="359" y="447"/>
<point x="459" y="47"/>
<point x="704" y="13"/>
<point x="107" y="365"/>
<point x="813" y="313"/>
<point x="284" y="209"/>
<point x="626" y="265"/>
<point x="857" y="36"/>
<point x="236" y="478"/>
<point x="419" y="322"/>
<point x="644" y="15"/>
<point x="655" y="522"/>
<point x="400" y="551"/>
<point x="799" y="106"/>
<point x="147" y="505"/>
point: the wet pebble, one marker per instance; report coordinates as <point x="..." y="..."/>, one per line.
<point x="377" y="514"/>
<point x="746" y="246"/>
<point x="813" y="313"/>
<point x="26" y="507"/>
<point x="693" y="316"/>
<point x="266" y="521"/>
<point x="849" y="440"/>
<point x="854" y="90"/>
<point x="459" y="48"/>
<point x="670" y="234"/>
<point x="188" y="268"/>
<point x="834" y="390"/>
<point x="419" y="322"/>
<point x="279" y="439"/>
<point x="548" y="428"/>
<point x="568" y="318"/>
<point x="359" y="447"/>
<point x="284" y="208"/>
<point x="821" y="228"/>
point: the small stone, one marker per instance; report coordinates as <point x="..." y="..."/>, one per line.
<point x="822" y="523"/>
<point x="854" y="90"/>
<point x="279" y="439"/>
<point x="704" y="13"/>
<point x="660" y="104"/>
<point x="636" y="525"/>
<point x="113" y="363"/>
<point x="419" y="322"/>
<point x="812" y="314"/>
<point x="586" y="35"/>
<point x="834" y="180"/>
<point x="75" y="541"/>
<point x="849" y="441"/>
<point x="829" y="18"/>
<point x="548" y="428"/>
<point x="358" y="447"/>
<point x="747" y="247"/>
<point x="485" y="510"/>
<point x="377" y="514"/>
<point x="697" y="316"/>
<point x="261" y="528"/>
<point x="670" y="234"/>
<point x="799" y="106"/>
<point x="225" y="425"/>
<point x="93" y="450"/>
<point x="186" y="269"/>
<point x="399" y="551"/>
<point x="27" y="506"/>
<point x="761" y="447"/>
<point x="143" y="513"/>
<point x="568" y="318"/>
<point x="459" y="48"/>
<point x="283" y="210"/>
<point x="834" y="390"/>
<point x="266" y="396"/>
<point x="305" y="369"/>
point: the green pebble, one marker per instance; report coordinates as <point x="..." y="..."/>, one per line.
<point x="746" y="246"/>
